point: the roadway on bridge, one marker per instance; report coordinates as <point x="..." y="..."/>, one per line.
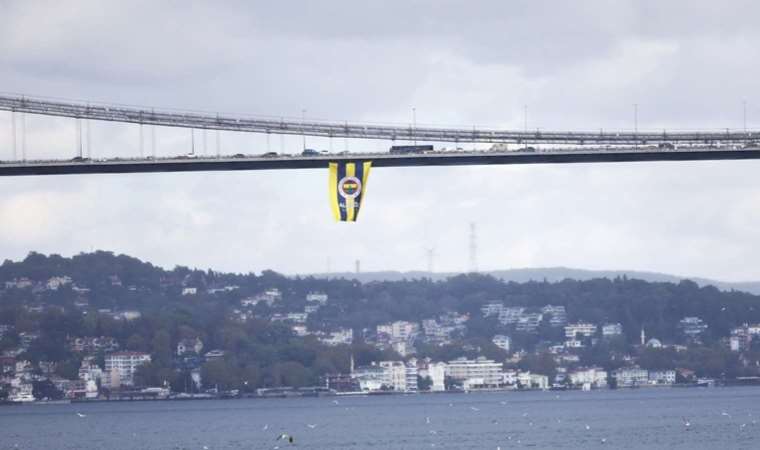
<point x="281" y="162"/>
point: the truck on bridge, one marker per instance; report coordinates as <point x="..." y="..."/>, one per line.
<point x="406" y="149"/>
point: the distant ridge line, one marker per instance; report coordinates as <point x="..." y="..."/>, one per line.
<point x="551" y="274"/>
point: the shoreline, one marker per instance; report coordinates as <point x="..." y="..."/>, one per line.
<point x="206" y="397"/>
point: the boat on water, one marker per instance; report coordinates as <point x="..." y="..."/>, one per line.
<point x="21" y="396"/>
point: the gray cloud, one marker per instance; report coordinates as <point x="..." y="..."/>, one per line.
<point x="576" y="64"/>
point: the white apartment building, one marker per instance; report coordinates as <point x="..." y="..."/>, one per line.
<point x="662" y="377"/>
<point x="501" y="341"/>
<point x="410" y="371"/>
<point x="612" y="329"/>
<point x="54" y="283"/>
<point x="394" y="375"/>
<point x="437" y="374"/>
<point x="270" y="297"/>
<point x="692" y="326"/>
<point x="402" y="348"/>
<point x="491" y="309"/>
<point x="343" y="336"/>
<point x="581" y="328"/>
<point x="312" y="308"/>
<point x="593" y="376"/>
<point x="529" y="322"/>
<point x="528" y="380"/>
<point x="121" y="366"/>
<point x="462" y="369"/>
<point x="511" y="315"/>
<point x="399" y="330"/>
<point x="631" y="376"/>
<point x="317" y="297"/>
<point x="557" y="315"/>
<point x="297" y="317"/>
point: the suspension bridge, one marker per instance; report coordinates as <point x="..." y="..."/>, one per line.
<point x="559" y="146"/>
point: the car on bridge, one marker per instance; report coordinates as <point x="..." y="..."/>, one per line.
<point x="309" y="152"/>
<point x="269" y="155"/>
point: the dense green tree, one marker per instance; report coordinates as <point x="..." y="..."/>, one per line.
<point x="45" y="389"/>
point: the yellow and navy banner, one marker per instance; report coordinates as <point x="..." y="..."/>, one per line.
<point x="348" y="183"/>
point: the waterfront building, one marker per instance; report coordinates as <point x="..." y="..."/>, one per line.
<point x="487" y="370"/>
<point x="410" y="372"/>
<point x="631" y="377"/>
<point x="370" y="378"/>
<point x="662" y="377"/>
<point x="595" y="377"/>
<point x="436" y="372"/>
<point x="124" y="364"/>
<point x="88" y="370"/>
<point x="527" y="380"/>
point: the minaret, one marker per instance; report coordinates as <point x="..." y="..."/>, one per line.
<point x="643" y="337"/>
<point x="352" y="363"/>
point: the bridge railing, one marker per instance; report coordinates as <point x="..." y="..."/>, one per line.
<point x="146" y="116"/>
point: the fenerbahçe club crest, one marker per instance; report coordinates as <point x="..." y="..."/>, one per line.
<point x="348" y="182"/>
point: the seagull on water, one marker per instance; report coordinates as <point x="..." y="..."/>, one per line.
<point x="686" y="422"/>
<point x="265" y="427"/>
<point x="427" y="420"/>
<point x="474" y="408"/>
<point x="588" y="427"/>
<point x="81" y="415"/>
<point x="285" y="437"/>
<point x="311" y="425"/>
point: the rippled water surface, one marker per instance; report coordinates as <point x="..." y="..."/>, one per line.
<point x="644" y="418"/>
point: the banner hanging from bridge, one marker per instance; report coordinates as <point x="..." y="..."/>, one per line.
<point x="348" y="183"/>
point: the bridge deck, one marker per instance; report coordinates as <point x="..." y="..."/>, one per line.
<point x="379" y="160"/>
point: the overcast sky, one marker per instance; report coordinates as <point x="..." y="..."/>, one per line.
<point x="577" y="65"/>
